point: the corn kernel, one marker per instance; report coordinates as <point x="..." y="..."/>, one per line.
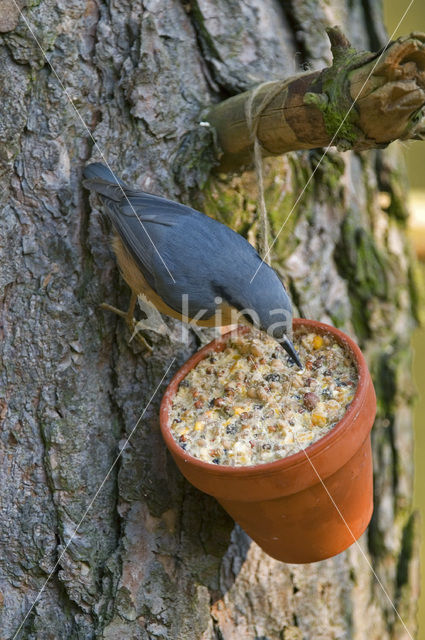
<point x="317" y="342"/>
<point x="238" y="410"/>
<point x="199" y="426"/>
<point x="318" y="419"/>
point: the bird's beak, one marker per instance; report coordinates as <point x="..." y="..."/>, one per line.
<point x="290" y="350"/>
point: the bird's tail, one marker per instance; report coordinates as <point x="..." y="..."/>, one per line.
<point x="100" y="178"/>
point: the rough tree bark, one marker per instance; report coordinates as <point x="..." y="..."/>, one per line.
<point x="154" y="558"/>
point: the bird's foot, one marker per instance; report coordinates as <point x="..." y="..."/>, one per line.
<point x="130" y="321"/>
<point x="109" y="307"/>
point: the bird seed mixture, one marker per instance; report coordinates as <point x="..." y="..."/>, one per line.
<point x="249" y="404"/>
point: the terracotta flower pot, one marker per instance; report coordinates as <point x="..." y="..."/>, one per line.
<point x="283" y="505"/>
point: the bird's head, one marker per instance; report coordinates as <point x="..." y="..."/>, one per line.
<point x="265" y="304"/>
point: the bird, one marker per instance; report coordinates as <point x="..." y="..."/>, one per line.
<point x="188" y="265"/>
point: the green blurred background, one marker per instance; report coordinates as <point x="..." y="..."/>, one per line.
<point x="415" y="156"/>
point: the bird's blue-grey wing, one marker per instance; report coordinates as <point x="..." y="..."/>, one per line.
<point x="204" y="255"/>
<point x="143" y="222"/>
<point x="163" y="237"/>
<point x="184" y="255"/>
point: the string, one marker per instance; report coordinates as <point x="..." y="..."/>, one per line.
<point x="252" y="115"/>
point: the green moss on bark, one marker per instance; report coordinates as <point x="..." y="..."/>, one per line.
<point x="364" y="266"/>
<point x="331" y="95"/>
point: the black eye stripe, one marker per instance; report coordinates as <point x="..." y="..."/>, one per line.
<point x="247" y="316"/>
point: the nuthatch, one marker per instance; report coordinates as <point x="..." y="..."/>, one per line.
<point x="188" y="265"/>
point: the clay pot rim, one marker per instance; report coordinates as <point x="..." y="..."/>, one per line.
<point x="293" y="460"/>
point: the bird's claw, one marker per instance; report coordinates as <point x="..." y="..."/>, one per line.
<point x="130" y="322"/>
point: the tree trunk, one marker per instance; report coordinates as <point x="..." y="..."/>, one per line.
<point x="153" y="557"/>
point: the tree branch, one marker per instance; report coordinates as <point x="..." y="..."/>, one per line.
<point x="352" y="104"/>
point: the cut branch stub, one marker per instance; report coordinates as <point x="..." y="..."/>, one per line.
<point x="390" y="103"/>
<point x="364" y="100"/>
